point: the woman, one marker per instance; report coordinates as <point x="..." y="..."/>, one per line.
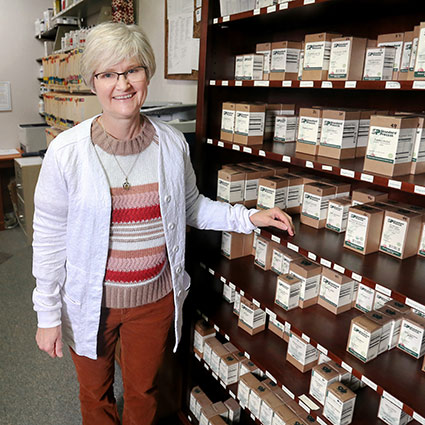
<point x="111" y="205"/>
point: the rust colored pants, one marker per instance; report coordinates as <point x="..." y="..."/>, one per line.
<point x="143" y="334"/>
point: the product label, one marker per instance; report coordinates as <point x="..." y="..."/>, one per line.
<point x="412" y="339"/>
<point x="226" y="243"/>
<point x="355" y="236"/>
<point x="285" y="129"/>
<point x="243" y="394"/>
<point x="379" y="64"/>
<point x="228" y="293"/>
<point x="419" y="146"/>
<point x="393" y="236"/>
<point x="267" y="60"/>
<point x="363" y="134"/>
<point x="380" y="300"/>
<point x="389" y="412"/>
<point x="285" y="60"/>
<point x="301" y="351"/>
<point x="261" y="252"/>
<point x="249" y="123"/>
<point x="337" y="217"/>
<point x="390" y="145"/>
<point x="317" y="55"/>
<point x="230" y="191"/>
<point x="269" y="198"/>
<point x="334" y="293"/>
<point x="422" y="242"/>
<point x="294" y="196"/>
<point x="398" y="46"/>
<point x="319" y="385"/>
<point x="277" y="261"/>
<point x="316" y="207"/>
<point x="253" y="67"/>
<point x="229" y="373"/>
<point x="337" y="411"/>
<point x="287" y="296"/>
<point x="339" y="134"/>
<point x="239" y="71"/>
<point x="228" y="121"/>
<point x="363" y="344"/>
<point x="406" y="55"/>
<point x="365" y="298"/>
<point x="251" y="190"/>
<point x="301" y="67"/>
<point x="420" y="56"/>
<point x="254" y="403"/>
<point x="413" y="55"/>
<point x="237" y="303"/>
<point x="340" y="59"/>
<point x="309" y="286"/>
<point x="266" y="414"/>
<point x="309" y="130"/>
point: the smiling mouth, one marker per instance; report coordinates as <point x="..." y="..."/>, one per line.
<point x="124" y="97"/>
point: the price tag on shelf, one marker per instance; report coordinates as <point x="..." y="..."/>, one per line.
<point x="395" y="184"/>
<point x="270" y="376"/>
<point x="206" y="366"/>
<point x="227" y="337"/>
<point x="327" y="85"/>
<point x="275" y="239"/>
<point x="309" y="164"/>
<point x="419" y="85"/>
<point x="393" y="400"/>
<point x="261" y="153"/>
<point x="286" y="158"/>
<point x="220" y="144"/>
<point x="415" y="305"/>
<point x="255" y="302"/>
<point x="236" y="147"/>
<point x="312" y="256"/>
<point x="232" y="394"/>
<point x="369" y="383"/>
<point x="271" y="313"/>
<point x="322" y="349"/>
<point x="366" y="177"/>
<point x="211" y="271"/>
<point x="339" y="268"/>
<point x="287" y="327"/>
<point x="356" y="276"/>
<point x="210" y="141"/>
<point x="347" y="367"/>
<point x="223" y="279"/>
<point x="216" y="328"/>
<point x="246" y="149"/>
<point x="325" y="263"/>
<point x="287" y="83"/>
<point x="256" y="11"/>
<point x="326" y="168"/>
<point x="417" y="416"/>
<point x="232" y="285"/>
<point x="226" y="18"/>
<point x="383" y="290"/>
<point x="306" y="2"/>
<point x="306" y="83"/>
<point x="308" y="402"/>
<point x="224" y="83"/>
<point x="304" y="406"/>
<point x="252" y="417"/>
<point x="293" y="247"/>
<point x="197" y="357"/>
<point x="350" y="84"/>
<point x="347" y="173"/>
<point x="283" y="6"/>
<point x="321" y="421"/>
<point x="305" y="337"/>
<point x="392" y="85"/>
<point x="261" y="83"/>
<point x="238" y="83"/>
<point x="212" y="82"/>
<point x="271" y="9"/>
<point x="420" y="190"/>
<point x="242" y="293"/>
<point x="215" y="376"/>
<point x="223" y="384"/>
<point x="287" y="391"/>
<point x="215" y="21"/>
<point x="247" y="355"/>
<point x="205" y="317"/>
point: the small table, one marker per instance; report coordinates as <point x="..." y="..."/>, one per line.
<point x="6" y="162"/>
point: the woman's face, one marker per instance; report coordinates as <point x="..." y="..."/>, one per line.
<point x="121" y="99"/>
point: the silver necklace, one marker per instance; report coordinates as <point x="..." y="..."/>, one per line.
<point x="126" y="185"/>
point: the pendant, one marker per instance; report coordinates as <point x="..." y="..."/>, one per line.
<point x="126" y="185"/>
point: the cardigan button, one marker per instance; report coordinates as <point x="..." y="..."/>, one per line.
<point x="168" y="198"/>
<point x="179" y="269"/>
<point x="176" y="249"/>
<point x="171" y="226"/>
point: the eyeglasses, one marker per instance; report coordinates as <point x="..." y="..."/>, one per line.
<point x="133" y="75"/>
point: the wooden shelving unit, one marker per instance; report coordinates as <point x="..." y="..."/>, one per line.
<point x="394" y="372"/>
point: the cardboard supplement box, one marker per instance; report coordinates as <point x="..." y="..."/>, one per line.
<point x="203" y="403"/>
<point x="386" y="324"/>
<point x="287" y="291"/>
<point x="301" y="65"/>
<point x="253" y="67"/>
<point x="399" y="306"/>
<point x="239" y="71"/>
<point x="237" y="303"/>
<point x="418" y="155"/>
<point x="309" y="129"/>
<point x="339" y="133"/>
<point x="229" y="369"/>
<point x="282" y="257"/>
<point x="406" y="55"/>
<point x="295" y="192"/>
<point x="342" y="189"/>
<point x="367" y="196"/>
<point x="401" y="233"/>
<point x="203" y="331"/>
<point x="272" y="192"/>
<point x="338" y="214"/>
<point x="301" y="354"/>
<point x="322" y="376"/>
<point x="347" y="58"/>
<point x="246" y="382"/>
<point x="315" y="204"/>
<point x="228" y="121"/>
<point x="365" y="298"/>
<point x="363" y="133"/>
<point x="252" y="319"/>
<point x="234" y="410"/>
<point x="249" y="123"/>
<point x="253" y="173"/>
<point x="379" y="64"/>
<point x="247" y="366"/>
<point x="390" y="146"/>
<point x="336" y="291"/>
<point x="269" y="403"/>
<point x="195" y="395"/>
<point x="395" y="40"/>
<point x="285" y="129"/>
<point x="263" y="253"/>
<point x="421" y="250"/>
<point x="272" y="111"/>
<point x="217" y="352"/>
<point x="207" y="413"/>
<point x="283" y="415"/>
<point x="364" y="227"/>
<point x="236" y="245"/>
<point x="411" y="72"/>
<point x="391" y="414"/>
<point x="317" y="52"/>
<point x="309" y="273"/>
<point x="276" y="327"/>
<point x="285" y="60"/>
<point x="230" y="185"/>
<point x="412" y="335"/>
<point x="265" y="49"/>
<point x="209" y="345"/>
<point x="380" y="300"/>
<point x="419" y="71"/>
<point x="364" y="338"/>
<point x="339" y="404"/>
<point x="255" y="399"/>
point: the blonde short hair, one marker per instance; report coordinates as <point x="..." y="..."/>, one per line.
<point x="110" y="43"/>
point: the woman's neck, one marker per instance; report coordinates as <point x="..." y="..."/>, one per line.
<point x="121" y="129"/>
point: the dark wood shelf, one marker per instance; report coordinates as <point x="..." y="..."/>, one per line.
<point x="405" y="382"/>
<point x="349" y="168"/>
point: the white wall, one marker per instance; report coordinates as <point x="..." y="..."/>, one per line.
<point x="151" y="18"/>
<point x="17" y="64"/>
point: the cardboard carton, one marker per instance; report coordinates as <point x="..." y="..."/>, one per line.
<point x="317" y="52"/>
<point x="230" y="185"/>
<point x="203" y="331"/>
<point x="236" y="245"/>
<point x="217" y="420"/>
<point x="277" y="169"/>
<point x="252" y="319"/>
<point x="249" y="124"/>
<point x="309" y="273"/>
<point x="265" y="49"/>
<point x="228" y="121"/>
<point x="272" y="192"/>
<point x="336" y="291"/>
<point x="342" y="189"/>
<point x="418" y="155"/>
<point x="322" y="376"/>
<point x="363" y="133"/>
<point x="234" y="410"/>
<point x="195" y="395"/>
<point x="419" y="72"/>
<point x="364" y="227"/>
<point x="247" y="366"/>
<point x="285" y="129"/>
<point x="301" y="354"/>
<point x="411" y="72"/>
<point x="315" y="204"/>
<point x="239" y="71"/>
<point x="281" y="257"/>
<point x="269" y="403"/>
<point x="396" y="318"/>
<point x="395" y="40"/>
<point x="347" y="58"/>
<point x="285" y="60"/>
<point x="367" y="196"/>
<point x="272" y="111"/>
<point x="339" y="405"/>
<point x="421" y="249"/>
<point x="391" y="414"/>
<point x="406" y="55"/>
<point x="207" y="413"/>
<point x="412" y="335"/>
<point x="283" y="414"/>
<point x="203" y="403"/>
<point x="263" y="253"/>
<point x="399" y="306"/>
<point x="276" y="327"/>
<point x="253" y="67"/>
<point x="217" y="352"/>
<point x="379" y="64"/>
<point x="295" y="191"/>
<point x="365" y="298"/>
<point x="386" y="324"/>
<point x="337" y="217"/>
<point x="246" y="382"/>
<point x="209" y="346"/>
<point x="288" y="291"/>
<point x="255" y="399"/>
<point x="229" y="369"/>
<point x="309" y="129"/>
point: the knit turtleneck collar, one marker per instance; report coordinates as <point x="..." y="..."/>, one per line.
<point x="114" y="146"/>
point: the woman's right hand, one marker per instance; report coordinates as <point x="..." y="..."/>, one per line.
<point x="50" y="341"/>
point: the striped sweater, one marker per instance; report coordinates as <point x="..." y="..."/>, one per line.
<point x="137" y="270"/>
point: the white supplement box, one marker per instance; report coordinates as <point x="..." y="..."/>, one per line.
<point x="412" y="335"/>
<point x="322" y="376"/>
<point x="285" y="129"/>
<point x="364" y="338"/>
<point x="365" y="298"/>
<point x="301" y="354"/>
<point x="338" y="214"/>
<point x="288" y="291"/>
<point x="379" y="64"/>
<point x="339" y="404"/>
<point x="392" y="414"/>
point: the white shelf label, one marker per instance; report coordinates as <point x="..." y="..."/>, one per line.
<point x="327" y="85"/>
<point x="339" y="268"/>
<point x="238" y="83"/>
<point x="232" y="285"/>
<point x="210" y="141"/>
<point x="275" y="239"/>
<point x="306" y="83"/>
<point x="203" y="266"/>
<point x="286" y="158"/>
<point x="287" y="83"/>
<point x="189" y="418"/>
<point x="287" y="391"/>
<point x="312" y="256"/>
<point x="356" y="276"/>
<point x="211" y="271"/>
<point x="256" y="11"/>
<point x="247" y="355"/>
<point x="287" y="328"/>
<point x="252" y="417"/>
<point x="293" y="247"/>
<point x="369" y="383"/>
<point x="309" y="164"/>
<point x="220" y="144"/>
<point x="283" y="6"/>
<point x="271" y="314"/>
<point x="415" y="305"/>
<point x="236" y="147"/>
<point x="261" y="153"/>
<point x="326" y="168"/>
<point x="347" y="173"/>
<point x="366" y="178"/>
<point x="305" y="337"/>
<point x="226" y="18"/>
<point x="350" y="84"/>
<point x="246" y="149"/>
<point x="392" y="85"/>
<point x="242" y="293"/>
<point x="212" y="82"/>
<point x="206" y="366"/>
<point x="261" y="83"/>
<point x="269" y="375"/>
<point x="227" y="337"/>
<point x="205" y="317"/>
<point x="223" y="384"/>
<point x="232" y="394"/>
<point x="420" y="190"/>
<point x="326" y="263"/>
<point x="216" y="328"/>
<point x="393" y="400"/>
<point x="395" y="184"/>
<point x="223" y="279"/>
<point x="306" y="2"/>
<point x="225" y="83"/>
<point x="198" y="312"/>
<point x="347" y="367"/>
<point x="308" y="402"/>
<point x="255" y="302"/>
<point x="197" y="357"/>
<point x="304" y="406"/>
<point x="271" y="9"/>
<point x="419" y="85"/>
<point x="384" y="290"/>
<point x="417" y="416"/>
<point x="215" y="376"/>
<point x="215" y="21"/>
<point x="322" y="349"/>
<point x="321" y="421"/>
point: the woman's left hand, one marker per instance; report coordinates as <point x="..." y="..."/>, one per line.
<point x="273" y="217"/>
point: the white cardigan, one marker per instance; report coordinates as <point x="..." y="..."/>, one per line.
<point x="72" y="222"/>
